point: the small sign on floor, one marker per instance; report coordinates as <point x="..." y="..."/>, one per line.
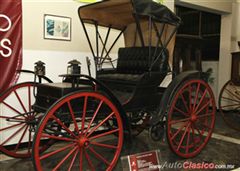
<point x="145" y="161"/>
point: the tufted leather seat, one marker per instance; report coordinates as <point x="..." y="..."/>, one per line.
<point x="133" y="66"/>
<point x="131" y="81"/>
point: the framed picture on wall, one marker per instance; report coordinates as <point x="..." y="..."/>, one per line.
<point x="57" y="27"/>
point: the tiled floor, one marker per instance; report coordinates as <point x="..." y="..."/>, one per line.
<point x="220" y="150"/>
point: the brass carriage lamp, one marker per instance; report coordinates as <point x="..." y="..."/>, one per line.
<point x="39" y="68"/>
<point x="74" y="67"/>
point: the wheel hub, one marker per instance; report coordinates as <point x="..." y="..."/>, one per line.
<point x="30" y="119"/>
<point x="83" y="142"/>
<point x="193" y="117"/>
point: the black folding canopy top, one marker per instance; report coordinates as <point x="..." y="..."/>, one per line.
<point x="142" y="23"/>
<point x="120" y="13"/>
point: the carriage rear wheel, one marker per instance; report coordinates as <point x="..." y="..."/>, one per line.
<point x="18" y="120"/>
<point x="191" y="117"/>
<point x="229" y="104"/>
<point x="85" y="141"/>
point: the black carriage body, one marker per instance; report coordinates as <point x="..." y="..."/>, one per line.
<point x="49" y="93"/>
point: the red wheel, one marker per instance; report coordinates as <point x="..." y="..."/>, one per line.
<point x="191" y="118"/>
<point x="229" y="104"/>
<point x="85" y="140"/>
<point x="17" y="120"/>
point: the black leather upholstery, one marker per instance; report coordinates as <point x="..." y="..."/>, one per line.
<point x="134" y="63"/>
<point x="131" y="81"/>
<point x="135" y="60"/>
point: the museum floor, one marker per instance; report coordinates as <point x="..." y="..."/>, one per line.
<point x="223" y="148"/>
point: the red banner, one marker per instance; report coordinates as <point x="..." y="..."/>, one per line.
<point x="10" y="41"/>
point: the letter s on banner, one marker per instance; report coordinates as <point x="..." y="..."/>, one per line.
<point x="10" y="42"/>
<point x="7" y="48"/>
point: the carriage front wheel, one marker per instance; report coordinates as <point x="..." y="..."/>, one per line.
<point x="79" y="125"/>
<point x="191" y="117"/>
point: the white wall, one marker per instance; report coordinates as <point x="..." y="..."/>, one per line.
<point x="170" y="4"/>
<point x="55" y="52"/>
<point x="219" y="6"/>
<point x="33" y="15"/>
<point x="236" y="26"/>
<point x="225" y="51"/>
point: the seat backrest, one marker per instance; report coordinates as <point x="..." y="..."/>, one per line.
<point x="135" y="60"/>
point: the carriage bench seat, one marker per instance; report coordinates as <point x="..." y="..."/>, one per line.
<point x="133" y="67"/>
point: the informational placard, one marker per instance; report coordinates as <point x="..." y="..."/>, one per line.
<point x="142" y="161"/>
<point x="10" y="41"/>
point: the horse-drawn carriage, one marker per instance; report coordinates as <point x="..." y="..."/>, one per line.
<point x="82" y="122"/>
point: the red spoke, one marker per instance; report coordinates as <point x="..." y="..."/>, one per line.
<point x="89" y="161"/>
<point x="73" y="160"/>
<point x="15" y="110"/>
<point x="14" y="117"/>
<point x="104" y="145"/>
<point x="184" y="102"/>
<point x="183" y="136"/>
<point x="62" y="125"/>
<point x="104" y="134"/>
<point x="99" y="156"/>
<point x="180" y="111"/>
<point x="231" y="99"/>
<point x="190" y="96"/>
<point x="193" y="136"/>
<point x="188" y="138"/>
<point x="200" y="102"/>
<point x="73" y="117"/>
<point x="81" y="160"/>
<point x="172" y="122"/>
<point x="203" y="107"/>
<point x="20" y="101"/>
<point x="94" y="115"/>
<point x="57" y="151"/>
<point x="65" y="158"/>
<point x="100" y="124"/>
<point x="29" y="141"/>
<point x="204" y="115"/>
<point x="176" y="133"/>
<point x="29" y="99"/>
<point x="196" y="96"/>
<point x="58" y="138"/>
<point x="12" y="126"/>
<point x="199" y="133"/>
<point x="84" y="113"/>
<point x="13" y="135"/>
<point x="21" y="138"/>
